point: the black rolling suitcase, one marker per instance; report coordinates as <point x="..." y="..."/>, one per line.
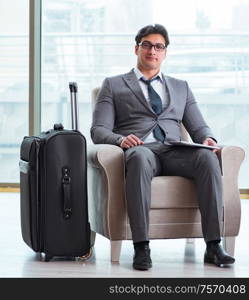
<point x="53" y="187"/>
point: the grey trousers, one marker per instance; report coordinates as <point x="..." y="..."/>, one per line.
<point x="154" y="159"/>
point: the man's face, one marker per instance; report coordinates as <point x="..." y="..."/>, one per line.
<point x="150" y="59"/>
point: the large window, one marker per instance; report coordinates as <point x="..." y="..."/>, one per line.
<point x="14" y="57"/>
<point x="85" y="41"/>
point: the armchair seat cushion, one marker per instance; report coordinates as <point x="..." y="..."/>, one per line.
<point x="173" y="192"/>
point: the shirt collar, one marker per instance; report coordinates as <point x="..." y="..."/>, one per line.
<point x="139" y="74"/>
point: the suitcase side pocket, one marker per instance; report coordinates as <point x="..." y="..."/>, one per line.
<point x="25" y="201"/>
<point x="30" y="209"/>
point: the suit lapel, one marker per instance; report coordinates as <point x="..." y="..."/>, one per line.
<point x="132" y="82"/>
<point x="171" y="93"/>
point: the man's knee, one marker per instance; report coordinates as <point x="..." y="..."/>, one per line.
<point x="207" y="159"/>
<point x="140" y="156"/>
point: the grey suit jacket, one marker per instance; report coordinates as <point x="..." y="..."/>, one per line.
<point x="121" y="109"/>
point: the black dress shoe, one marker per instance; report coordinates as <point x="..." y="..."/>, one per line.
<point x="141" y="259"/>
<point x="216" y="255"/>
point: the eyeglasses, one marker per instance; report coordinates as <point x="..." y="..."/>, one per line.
<point x="148" y="46"/>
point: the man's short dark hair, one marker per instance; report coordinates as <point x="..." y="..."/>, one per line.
<point x="152" y="29"/>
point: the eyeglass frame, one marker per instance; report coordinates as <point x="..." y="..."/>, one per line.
<point x="152" y="45"/>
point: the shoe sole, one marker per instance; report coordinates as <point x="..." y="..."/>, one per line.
<point x="141" y="268"/>
<point x="215" y="262"/>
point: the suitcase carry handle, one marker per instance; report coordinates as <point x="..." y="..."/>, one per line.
<point x="74" y="104"/>
<point x="66" y="184"/>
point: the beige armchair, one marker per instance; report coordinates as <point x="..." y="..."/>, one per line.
<point x="174" y="210"/>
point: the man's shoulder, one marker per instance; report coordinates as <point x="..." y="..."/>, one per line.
<point x="174" y="80"/>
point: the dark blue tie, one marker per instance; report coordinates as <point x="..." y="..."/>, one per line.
<point x="156" y="104"/>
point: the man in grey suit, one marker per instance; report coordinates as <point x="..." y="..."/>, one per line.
<point x="141" y="112"/>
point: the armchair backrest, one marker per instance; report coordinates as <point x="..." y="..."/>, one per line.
<point x="95" y="91"/>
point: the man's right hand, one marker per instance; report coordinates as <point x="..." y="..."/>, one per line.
<point x="130" y="141"/>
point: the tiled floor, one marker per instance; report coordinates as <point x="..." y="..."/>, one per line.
<point x="171" y="258"/>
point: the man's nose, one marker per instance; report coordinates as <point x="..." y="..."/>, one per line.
<point x="152" y="50"/>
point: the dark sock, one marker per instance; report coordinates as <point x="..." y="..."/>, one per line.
<point x="140" y="244"/>
<point x="212" y="243"/>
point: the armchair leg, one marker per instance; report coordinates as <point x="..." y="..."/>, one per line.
<point x="229" y="244"/>
<point x="189" y="253"/>
<point x="190" y="241"/>
<point x="115" y="250"/>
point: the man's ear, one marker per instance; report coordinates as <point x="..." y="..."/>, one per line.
<point x="136" y="49"/>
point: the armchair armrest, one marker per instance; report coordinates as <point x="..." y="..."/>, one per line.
<point x="106" y="190"/>
<point x="231" y="158"/>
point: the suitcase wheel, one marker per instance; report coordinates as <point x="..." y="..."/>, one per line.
<point x="86" y="256"/>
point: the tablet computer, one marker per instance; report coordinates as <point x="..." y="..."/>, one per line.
<point x="189" y="144"/>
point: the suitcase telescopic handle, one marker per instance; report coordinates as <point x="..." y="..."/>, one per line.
<point x="73" y="87"/>
<point x="74" y="104"/>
